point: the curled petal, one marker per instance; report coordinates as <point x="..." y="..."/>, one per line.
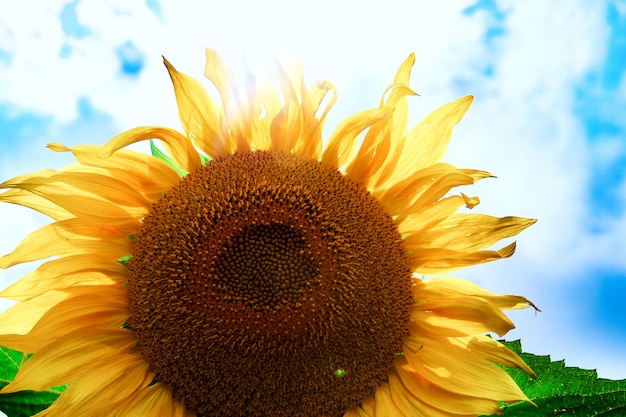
<point x="143" y="173"/>
<point x="179" y="147"/>
<point x="378" y="154"/>
<point x="342" y="142"/>
<point x="198" y="114"/>
<point x="310" y="144"/>
<point x="425" y="187"/>
<point x="235" y="118"/>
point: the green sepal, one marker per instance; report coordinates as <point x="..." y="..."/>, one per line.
<point x="205" y="159"/>
<point x="157" y="153"/>
<point x="124" y="260"/>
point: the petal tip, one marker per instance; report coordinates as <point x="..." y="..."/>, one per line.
<point x="168" y="65"/>
<point x="57" y="147"/>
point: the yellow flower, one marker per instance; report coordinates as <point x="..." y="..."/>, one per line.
<point x="256" y="272"/>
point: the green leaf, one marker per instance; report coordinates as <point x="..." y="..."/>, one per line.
<point x="28" y="403"/>
<point x="22" y="403"/>
<point x="564" y="391"/>
<point x="10" y="362"/>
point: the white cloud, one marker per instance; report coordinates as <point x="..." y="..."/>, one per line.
<point x="337" y="41"/>
<point x="524" y="129"/>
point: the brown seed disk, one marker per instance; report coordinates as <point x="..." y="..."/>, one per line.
<point x="266" y="284"/>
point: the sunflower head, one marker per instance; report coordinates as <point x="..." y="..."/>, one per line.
<point x="250" y="268"/>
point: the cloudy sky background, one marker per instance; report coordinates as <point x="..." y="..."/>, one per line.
<point x="549" y="117"/>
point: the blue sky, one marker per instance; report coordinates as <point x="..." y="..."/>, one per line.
<point x="549" y="117"/>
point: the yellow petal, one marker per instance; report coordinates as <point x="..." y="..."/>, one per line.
<point x="104" y="186"/>
<point x="285" y="128"/>
<point x="35" y="202"/>
<point x="498" y="353"/>
<point x="371" y="155"/>
<point x="69" y="237"/>
<point x="415" y="395"/>
<point x="413" y="221"/>
<point x="154" y="401"/>
<point x="20" y="318"/>
<point x="449" y="286"/>
<point x="455" y="311"/>
<point x="58" y="274"/>
<point x="94" y="396"/>
<point x="31" y="325"/>
<point x="221" y="76"/>
<point x="429" y="261"/>
<point x="385" y="406"/>
<point x="265" y="105"/>
<point x="391" y="151"/>
<point x="437" y="327"/>
<point x="93" y="197"/>
<point x="470" y="202"/>
<point x="63" y="360"/>
<point x="468" y="232"/>
<point x="440" y="188"/>
<point x="451" y="307"/>
<point x="427" y="142"/>
<point x="462" y="370"/>
<point x="404" y="72"/>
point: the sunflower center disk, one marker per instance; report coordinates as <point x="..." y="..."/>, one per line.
<point x="265" y="267"/>
<point x="267" y="284"/>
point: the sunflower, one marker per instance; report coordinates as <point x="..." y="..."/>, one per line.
<point x="247" y="269"/>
